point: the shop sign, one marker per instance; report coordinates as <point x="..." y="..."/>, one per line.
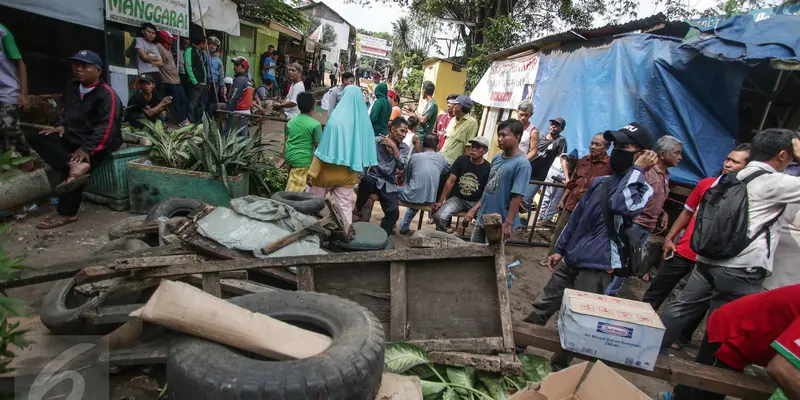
<point x="169" y="15"/>
<point x="373" y="47"/>
<point x="508" y="82"/>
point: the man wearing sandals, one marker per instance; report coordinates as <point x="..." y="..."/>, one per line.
<point x="88" y="130"/>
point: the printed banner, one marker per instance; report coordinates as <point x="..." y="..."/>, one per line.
<point x="506" y="83"/>
<point x="169" y="15"/>
<point x="373" y="46"/>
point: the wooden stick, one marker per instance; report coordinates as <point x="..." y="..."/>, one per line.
<point x="294" y="236"/>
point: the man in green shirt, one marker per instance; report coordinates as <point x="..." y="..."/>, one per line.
<point x="465" y="129"/>
<point x="428" y="118"/>
<point x="13" y="85"/>
<point x="303" y="134"/>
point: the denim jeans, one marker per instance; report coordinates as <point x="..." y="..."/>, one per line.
<point x="708" y="288"/>
<point x="478" y="235"/>
<point x="616" y="284"/>
<point x="552" y="195"/>
<point x="405" y="223"/>
<point x="530" y="193"/>
<point x="450" y="208"/>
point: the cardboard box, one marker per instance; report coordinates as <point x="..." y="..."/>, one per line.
<point x="623" y="331"/>
<point x="601" y="383"/>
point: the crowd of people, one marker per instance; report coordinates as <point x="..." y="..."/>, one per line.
<point x="729" y="254"/>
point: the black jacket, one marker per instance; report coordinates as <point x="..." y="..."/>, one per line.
<point x="93" y="122"/>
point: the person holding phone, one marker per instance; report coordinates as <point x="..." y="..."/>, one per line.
<point x="146" y="103"/>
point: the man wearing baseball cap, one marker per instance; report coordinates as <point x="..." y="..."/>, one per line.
<point x="583" y="257"/>
<point x="145" y="103"/>
<point x="240" y="100"/>
<point x="87" y="132"/>
<point x="469" y="174"/>
<point x="465" y="128"/>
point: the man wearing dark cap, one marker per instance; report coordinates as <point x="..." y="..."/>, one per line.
<point x="240" y="100"/>
<point x="87" y="131"/>
<point x="583" y="258"/>
<point x="550" y="147"/>
<point x="145" y="103"/>
<point x="465" y="129"/>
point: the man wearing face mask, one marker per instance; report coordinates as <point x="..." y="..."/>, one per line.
<point x="583" y="257"/>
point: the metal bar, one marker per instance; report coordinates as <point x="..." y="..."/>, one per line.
<point x="769" y="103"/>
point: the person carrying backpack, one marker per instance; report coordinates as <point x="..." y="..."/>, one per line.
<point x="736" y="231"/>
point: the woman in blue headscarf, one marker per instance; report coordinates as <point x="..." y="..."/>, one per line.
<point x="347" y="148"/>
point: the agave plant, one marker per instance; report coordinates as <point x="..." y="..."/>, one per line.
<point x="9" y="163"/>
<point x="171" y="148"/>
<point x="229" y="154"/>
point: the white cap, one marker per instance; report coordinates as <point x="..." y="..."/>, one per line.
<point x="228" y="80"/>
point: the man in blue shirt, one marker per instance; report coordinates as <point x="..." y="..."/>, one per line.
<point x="215" y="76"/>
<point x="269" y="70"/>
<point x="588" y="251"/>
<point x="508" y="180"/>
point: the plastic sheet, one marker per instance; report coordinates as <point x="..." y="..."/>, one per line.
<point x="252" y="222"/>
<point x="648" y="79"/>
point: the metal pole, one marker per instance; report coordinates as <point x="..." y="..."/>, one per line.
<point x="769" y="103"/>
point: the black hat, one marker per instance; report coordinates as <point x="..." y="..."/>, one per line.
<point x="88" y="57"/>
<point x="146" y="78"/>
<point x="633" y="133"/>
<point x="559" y="121"/>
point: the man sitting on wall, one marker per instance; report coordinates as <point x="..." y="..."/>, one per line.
<point x="87" y="132"/>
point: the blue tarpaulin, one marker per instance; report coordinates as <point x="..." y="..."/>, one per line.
<point x="741" y="38"/>
<point x="647" y="79"/>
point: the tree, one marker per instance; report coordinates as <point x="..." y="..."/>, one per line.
<point x="279" y="11"/>
<point x="328" y="35"/>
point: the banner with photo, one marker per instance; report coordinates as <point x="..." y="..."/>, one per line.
<point x="373" y="46"/>
<point x="508" y="82"/>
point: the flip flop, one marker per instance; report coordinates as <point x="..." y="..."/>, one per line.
<point x="676" y="346"/>
<point x="53" y="223"/>
<point x="69" y="186"/>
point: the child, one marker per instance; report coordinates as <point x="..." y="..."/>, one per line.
<point x="303" y="134"/>
<point x="411" y="140"/>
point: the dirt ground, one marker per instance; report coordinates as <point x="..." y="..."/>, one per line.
<point x="79" y="239"/>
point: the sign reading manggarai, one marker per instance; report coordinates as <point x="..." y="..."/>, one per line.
<point x="508" y="82"/>
<point x="169" y="15"/>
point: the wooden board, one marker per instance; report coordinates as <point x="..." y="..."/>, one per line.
<point x="670" y="369"/>
<point x="366" y="284"/>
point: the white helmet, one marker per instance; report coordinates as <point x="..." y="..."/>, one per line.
<point x="228" y="80"/>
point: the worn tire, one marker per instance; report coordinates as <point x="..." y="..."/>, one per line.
<point x="306" y="203"/>
<point x="61" y="308"/>
<point x="173" y="207"/>
<point x="350" y="369"/>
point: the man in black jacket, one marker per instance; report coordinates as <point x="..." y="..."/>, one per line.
<point x="88" y="131"/>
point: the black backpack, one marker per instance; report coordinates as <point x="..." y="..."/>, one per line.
<point x="630" y="247"/>
<point x="720" y="230"/>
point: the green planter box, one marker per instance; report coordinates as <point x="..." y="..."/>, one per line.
<point x="149" y="184"/>
<point x="110" y="178"/>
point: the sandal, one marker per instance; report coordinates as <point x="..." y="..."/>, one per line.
<point x="73" y="182"/>
<point x="676" y="346"/>
<point x="56" y="222"/>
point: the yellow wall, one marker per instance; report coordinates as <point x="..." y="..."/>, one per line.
<point x="264" y="38"/>
<point x="447" y="81"/>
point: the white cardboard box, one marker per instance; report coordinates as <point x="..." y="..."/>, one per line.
<point x="610" y="328"/>
<point x="601" y="383"/>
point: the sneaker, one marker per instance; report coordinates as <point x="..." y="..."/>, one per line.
<point x="666" y="396"/>
<point x="404" y="231"/>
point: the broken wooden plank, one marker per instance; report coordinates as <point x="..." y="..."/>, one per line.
<point x="344" y="228"/>
<point x="305" y="279"/>
<point x="667" y="368"/>
<point x="317" y="260"/>
<point x="436" y="242"/>
<point x="68" y="269"/>
<point x="487" y="345"/>
<point x="506" y="364"/>
<point x="398" y="313"/>
<point x="148" y="353"/>
<point x="124" y="266"/>
<point x="493" y="227"/>
<point x="138" y="227"/>
<point x="110" y="314"/>
<point x="211" y="284"/>
<point x="502" y="293"/>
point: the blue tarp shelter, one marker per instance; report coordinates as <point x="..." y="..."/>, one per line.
<point x="684" y="89"/>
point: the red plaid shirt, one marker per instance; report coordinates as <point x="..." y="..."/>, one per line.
<point x="440" y="128"/>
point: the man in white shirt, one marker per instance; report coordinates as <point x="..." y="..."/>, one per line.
<point x="714" y="283"/>
<point x="290" y="105"/>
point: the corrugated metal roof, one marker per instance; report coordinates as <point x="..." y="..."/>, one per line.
<point x="582" y="34"/>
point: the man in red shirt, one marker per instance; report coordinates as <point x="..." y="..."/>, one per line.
<point x="761" y="329"/>
<point x="680" y="258"/>
<point x="443" y="120"/>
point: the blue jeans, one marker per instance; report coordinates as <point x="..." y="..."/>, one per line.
<point x="616" y="285"/>
<point x="450" y="208"/>
<point x="529" y="195"/>
<point x="405" y="224"/>
<point x="478" y="235"/>
<point x="552" y="195"/>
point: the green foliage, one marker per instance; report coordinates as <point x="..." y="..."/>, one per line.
<point x="282" y="12"/>
<point x="275" y="179"/>
<point x="10" y="334"/>
<point x="9" y="163"/>
<point x="501" y="33"/>
<point x="227" y="154"/>
<point x="328" y="34"/>
<point x="170" y="148"/>
<point x="460" y="383"/>
<point x="382" y="35"/>
<point x="411" y="85"/>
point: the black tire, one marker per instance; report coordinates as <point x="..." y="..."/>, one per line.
<point x="350" y="369"/>
<point x="173" y="207"/>
<point x="61" y="307"/>
<point x="306" y="203"/>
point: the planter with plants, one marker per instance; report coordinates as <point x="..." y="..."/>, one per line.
<point x="200" y="162"/>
